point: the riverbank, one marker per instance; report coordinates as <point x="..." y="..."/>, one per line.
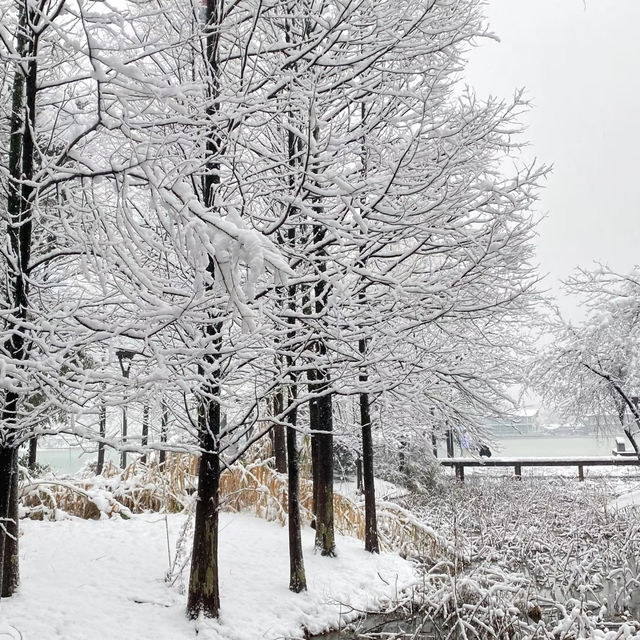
<point x="536" y="558"/>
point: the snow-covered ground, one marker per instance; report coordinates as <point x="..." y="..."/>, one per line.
<point x="103" y="580"/>
<point x="384" y="490"/>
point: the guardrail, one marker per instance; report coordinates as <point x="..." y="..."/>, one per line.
<point x="459" y="464"/>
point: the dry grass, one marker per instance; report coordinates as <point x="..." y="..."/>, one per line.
<point x="254" y="487"/>
<point x="136" y="489"/>
<point x="263" y="491"/>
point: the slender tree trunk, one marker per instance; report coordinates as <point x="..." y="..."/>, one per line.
<point x="103" y="435"/>
<point x="297" y="576"/>
<point x="322" y="425"/>
<point x="313" y="421"/>
<point x="145" y="431"/>
<point x="9" y="566"/>
<point x="204" y="591"/>
<point x="278" y="436"/>
<point x="371" y="526"/>
<point x="321" y="406"/>
<point x="33" y="452"/>
<point x="204" y="594"/>
<point x="20" y="224"/>
<point x="164" y="425"/>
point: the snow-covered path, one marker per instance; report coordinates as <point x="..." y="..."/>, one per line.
<point x="104" y="580"/>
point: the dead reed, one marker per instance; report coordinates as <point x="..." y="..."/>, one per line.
<point x="254" y="487"/>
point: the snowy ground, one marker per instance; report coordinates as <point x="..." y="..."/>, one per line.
<point x="104" y="580"/>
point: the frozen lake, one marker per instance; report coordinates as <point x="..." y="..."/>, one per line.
<point x="549" y="445"/>
<point x="546" y="446"/>
<point x="72" y="459"/>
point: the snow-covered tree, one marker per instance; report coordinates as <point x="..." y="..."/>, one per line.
<point x="591" y="369"/>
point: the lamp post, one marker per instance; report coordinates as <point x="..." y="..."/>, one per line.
<point x="124" y="358"/>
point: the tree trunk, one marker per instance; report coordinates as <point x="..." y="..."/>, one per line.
<point x="322" y="424"/>
<point x="371" y="526"/>
<point x="297" y="576"/>
<point x="164" y="425"/>
<point x="204" y="594"/>
<point x="9" y="565"/>
<point x="204" y="590"/>
<point x="145" y="432"/>
<point x="33" y="452"/>
<point x="313" y="420"/>
<point x="278" y="436"/>
<point x="103" y="435"/>
<point x="19" y="228"/>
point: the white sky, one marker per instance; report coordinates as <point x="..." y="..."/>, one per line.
<point x="580" y="64"/>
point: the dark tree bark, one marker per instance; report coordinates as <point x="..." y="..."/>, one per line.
<point x="9" y="565"/>
<point x="204" y="591"/>
<point x="145" y="431"/>
<point x="19" y="228"/>
<point x="278" y="436"/>
<point x="322" y="426"/>
<point x="33" y="452"/>
<point x="297" y="576"/>
<point x="164" y="425"/>
<point x="204" y="594"/>
<point x="313" y="420"/>
<point x="321" y="405"/>
<point x="371" y="526"/>
<point x="103" y="435"/>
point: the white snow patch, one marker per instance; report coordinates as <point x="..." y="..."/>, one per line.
<point x="628" y="499"/>
<point x="104" y="580"/>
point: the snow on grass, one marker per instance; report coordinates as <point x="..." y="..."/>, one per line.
<point x="629" y="498"/>
<point x="104" y="580"/>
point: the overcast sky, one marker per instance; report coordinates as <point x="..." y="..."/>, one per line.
<point x="580" y="64"/>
